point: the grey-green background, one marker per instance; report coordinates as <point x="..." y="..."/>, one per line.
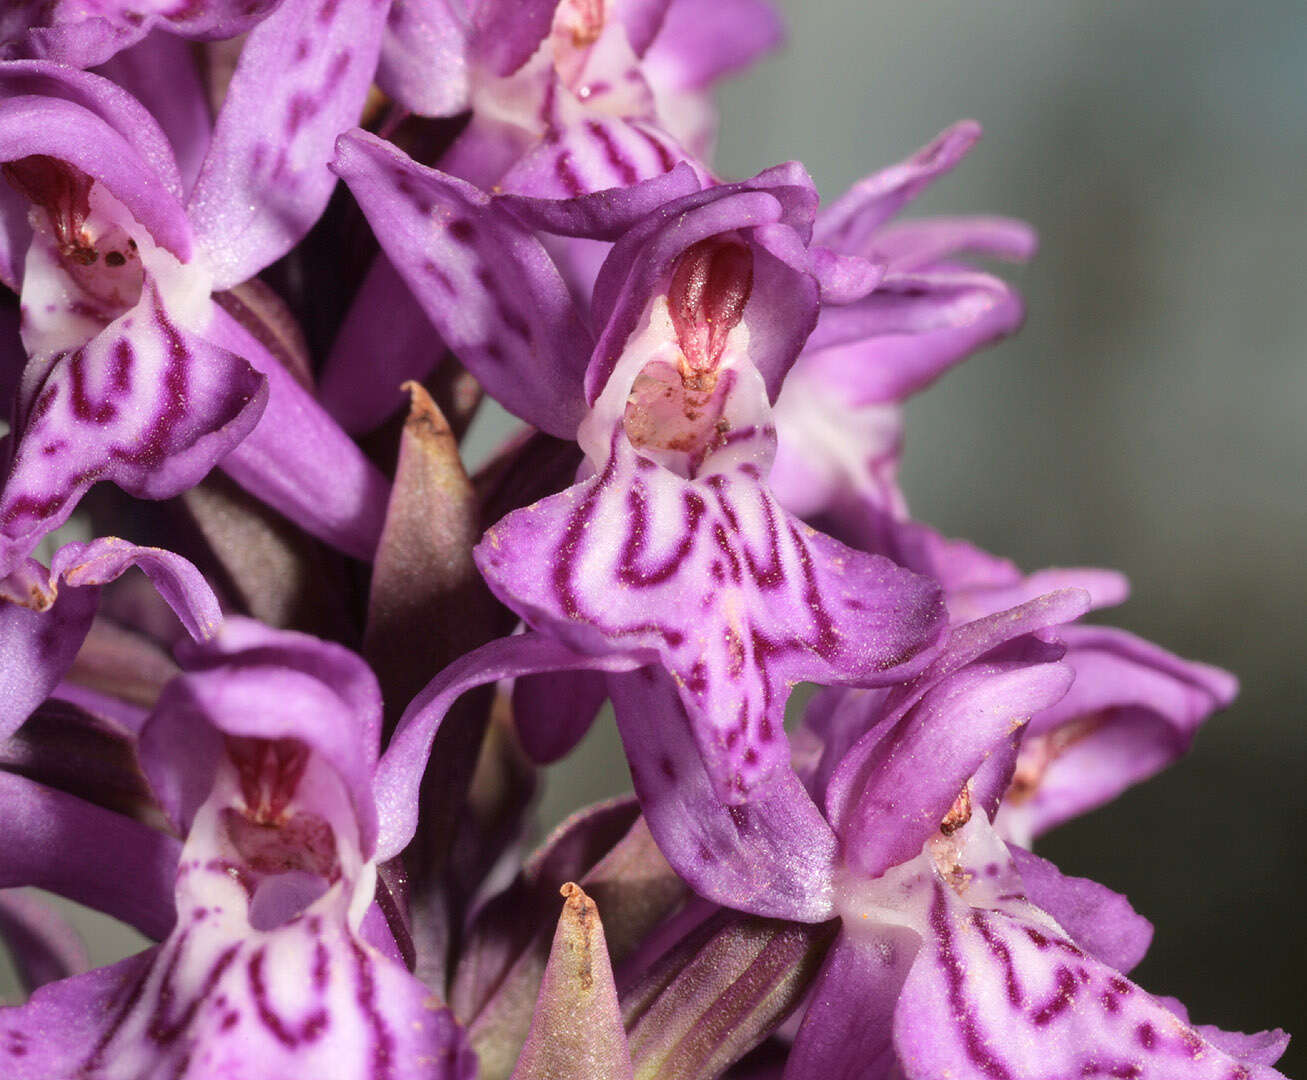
<point x="1149" y="417"/>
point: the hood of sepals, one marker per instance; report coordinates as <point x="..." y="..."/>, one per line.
<point x="584" y="66"/>
<point x="89" y="260"/>
<point x="684" y="392"/>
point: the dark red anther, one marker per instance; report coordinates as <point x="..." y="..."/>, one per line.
<point x="269" y="771"/>
<point x="710" y="286"/>
<point x="63" y="192"/>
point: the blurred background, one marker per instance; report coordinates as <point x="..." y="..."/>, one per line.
<point x="1149" y="417"/>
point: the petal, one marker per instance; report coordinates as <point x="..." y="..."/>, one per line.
<point x="919" y="769"/>
<point x="554" y="710"/>
<point x="423" y="62"/>
<point x="1003" y="998"/>
<point x="299" y="461"/>
<point x="38" y="647"/>
<point x="145" y="404"/>
<point x="738" y="600"/>
<point x="506" y="32"/>
<point x="614" y="203"/>
<point x="39" y="642"/>
<point x="113" y="107"/>
<point x="482" y="278"/>
<point x="385" y="341"/>
<point x="849" y="223"/>
<point x="161" y="73"/>
<point x="605" y="172"/>
<point x="1097" y="919"/>
<point x="912" y="245"/>
<point x="46" y="126"/>
<point x="699" y="44"/>
<point x="770" y="855"/>
<point x="94" y="856"/>
<point x="862" y="740"/>
<point x="301" y="80"/>
<point x="895" y="341"/>
<point x="106" y="26"/>
<point x="576" y="1029"/>
<point x="846" y="1031"/>
<point x="399" y="773"/>
<point x="1133" y="709"/>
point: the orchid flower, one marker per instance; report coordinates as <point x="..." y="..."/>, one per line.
<point x="670" y="551"/>
<point x="960" y="955"/>
<point x="261" y="755"/>
<point x="839" y="421"/>
<point x="565" y="98"/>
<point x="136" y="374"/>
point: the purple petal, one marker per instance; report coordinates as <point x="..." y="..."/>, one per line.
<point x="110" y="104"/>
<point x="910" y="784"/>
<point x="37" y="648"/>
<point x="482" y="278"/>
<point x="423" y="62"/>
<point x="610" y="208"/>
<point x="1099" y="920"/>
<point x="1000" y="997"/>
<point x="43" y="946"/>
<point x="161" y="73"/>
<point x="576" y="1028"/>
<point x="145" y="404"/>
<point x="594" y="162"/>
<point x="771" y="855"/>
<point x="385" y="341"/>
<point x="738" y="600"/>
<point x="40" y="124"/>
<point x="862" y="753"/>
<point x="1133" y="709"/>
<point x="914" y="245"/>
<point x="299" y="461"/>
<point x="848" y="224"/>
<point x="846" y="1032"/>
<point x="56" y="842"/>
<point x="506" y="32"/>
<point x="699" y="44"/>
<point x="553" y="711"/>
<point x="301" y="80"/>
<point x="399" y="773"/>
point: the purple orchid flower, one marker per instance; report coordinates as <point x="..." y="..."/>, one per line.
<point x="135" y="374"/>
<point x="959" y="955"/>
<point x="85" y="33"/>
<point x="839" y="421"/>
<point x="566" y="98"/>
<point x="261" y="754"/>
<point x="670" y="551"/>
<point x="1133" y="709"/>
